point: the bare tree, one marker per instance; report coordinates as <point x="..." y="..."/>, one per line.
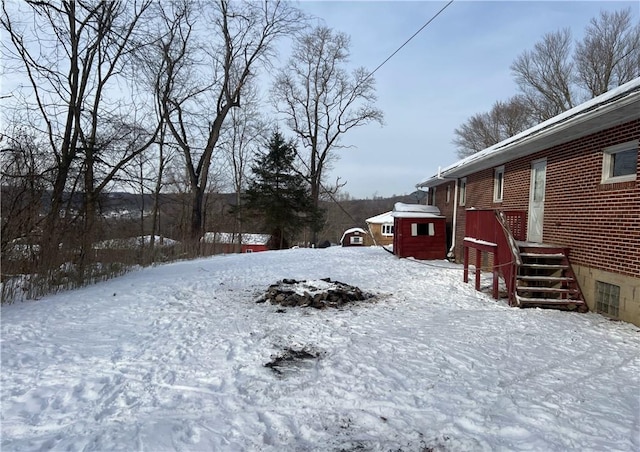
<point x="609" y="54"/>
<point x="205" y="75"/>
<point x="244" y="133"/>
<point x="321" y="101"/>
<point x="482" y="130"/>
<point x="545" y="75"/>
<point x="73" y="54"/>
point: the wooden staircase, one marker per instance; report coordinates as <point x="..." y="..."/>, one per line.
<point x="545" y="279"/>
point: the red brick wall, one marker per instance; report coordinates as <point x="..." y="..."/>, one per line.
<point x="599" y="223"/>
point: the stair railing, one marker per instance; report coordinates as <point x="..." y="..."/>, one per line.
<point x="508" y="252"/>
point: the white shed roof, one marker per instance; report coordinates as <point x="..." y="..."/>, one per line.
<point x="228" y="237"/>
<point x="402" y="210"/>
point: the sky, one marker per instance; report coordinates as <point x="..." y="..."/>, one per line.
<point x="180" y="357"/>
<point x="456" y="67"/>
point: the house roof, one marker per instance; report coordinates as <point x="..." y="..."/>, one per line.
<point x="402" y="210"/>
<point x="610" y="109"/>
<point x="383" y="218"/>
<point x="229" y="237"/>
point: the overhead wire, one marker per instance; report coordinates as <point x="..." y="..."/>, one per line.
<point x="329" y="192"/>
<point x="410" y="38"/>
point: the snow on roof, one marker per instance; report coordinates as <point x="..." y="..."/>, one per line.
<point x="229" y="237"/>
<point x="402" y="210"/>
<point x="134" y="242"/>
<point x="624" y="94"/>
<point x="351" y="231"/>
<point x="381" y="219"/>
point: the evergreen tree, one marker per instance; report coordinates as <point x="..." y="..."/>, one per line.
<point x="278" y="193"/>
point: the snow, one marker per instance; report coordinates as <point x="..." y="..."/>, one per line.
<point x="229" y="237"/>
<point x="134" y="242"/>
<point x="383" y="218"/>
<point x="173" y="358"/>
<point x="479" y="242"/>
<point x="402" y="210"/>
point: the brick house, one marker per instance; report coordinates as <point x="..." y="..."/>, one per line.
<point x="555" y="209"/>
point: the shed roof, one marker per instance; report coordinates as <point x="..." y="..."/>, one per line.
<point x="612" y="108"/>
<point x="229" y="237"/>
<point x="402" y="210"/>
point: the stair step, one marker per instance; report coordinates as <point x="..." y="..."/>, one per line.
<point x="545" y="278"/>
<point x="543" y="255"/>
<point x="551" y="301"/>
<point x="546" y="266"/>
<point x="546" y="289"/>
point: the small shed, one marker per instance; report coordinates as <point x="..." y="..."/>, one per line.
<point x="353" y="237"/>
<point x="419" y="231"/>
<point x="381" y="228"/>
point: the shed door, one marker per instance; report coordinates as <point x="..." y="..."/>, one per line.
<point x="536" y="200"/>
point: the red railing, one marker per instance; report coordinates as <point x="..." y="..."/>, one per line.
<point x="500" y="230"/>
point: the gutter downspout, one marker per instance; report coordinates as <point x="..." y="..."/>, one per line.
<point x="451" y="253"/>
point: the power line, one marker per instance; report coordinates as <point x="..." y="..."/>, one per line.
<point x="412" y="36"/>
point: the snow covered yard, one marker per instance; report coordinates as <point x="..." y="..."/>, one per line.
<point x="177" y="357"/>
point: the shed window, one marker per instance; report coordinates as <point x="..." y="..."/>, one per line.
<point x="422" y="229"/>
<point x="462" y="191"/>
<point x="607" y="298"/>
<point x="620" y="162"/>
<point x="498" y="183"/>
<point x="356" y="240"/>
<point x="387" y="229"/>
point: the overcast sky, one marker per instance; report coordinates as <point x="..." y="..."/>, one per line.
<point x="456" y="67"/>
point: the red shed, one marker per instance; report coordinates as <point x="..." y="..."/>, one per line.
<point x="419" y="231"/>
<point x="353" y="237"/>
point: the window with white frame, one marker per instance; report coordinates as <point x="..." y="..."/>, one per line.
<point x="448" y="194"/>
<point x="387" y="229"/>
<point x="620" y="163"/>
<point x="356" y="240"/>
<point x="462" y="191"/>
<point x="607" y="298"/>
<point x="498" y="183"/>
<point x="422" y="229"/>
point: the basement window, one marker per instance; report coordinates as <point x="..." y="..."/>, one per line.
<point x="620" y="163"/>
<point x="422" y="229"/>
<point x="607" y="298"/>
<point x="387" y="229"/>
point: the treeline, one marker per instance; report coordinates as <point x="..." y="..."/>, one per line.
<point x="158" y="98"/>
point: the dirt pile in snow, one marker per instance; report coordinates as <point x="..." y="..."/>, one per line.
<point x="319" y="294"/>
